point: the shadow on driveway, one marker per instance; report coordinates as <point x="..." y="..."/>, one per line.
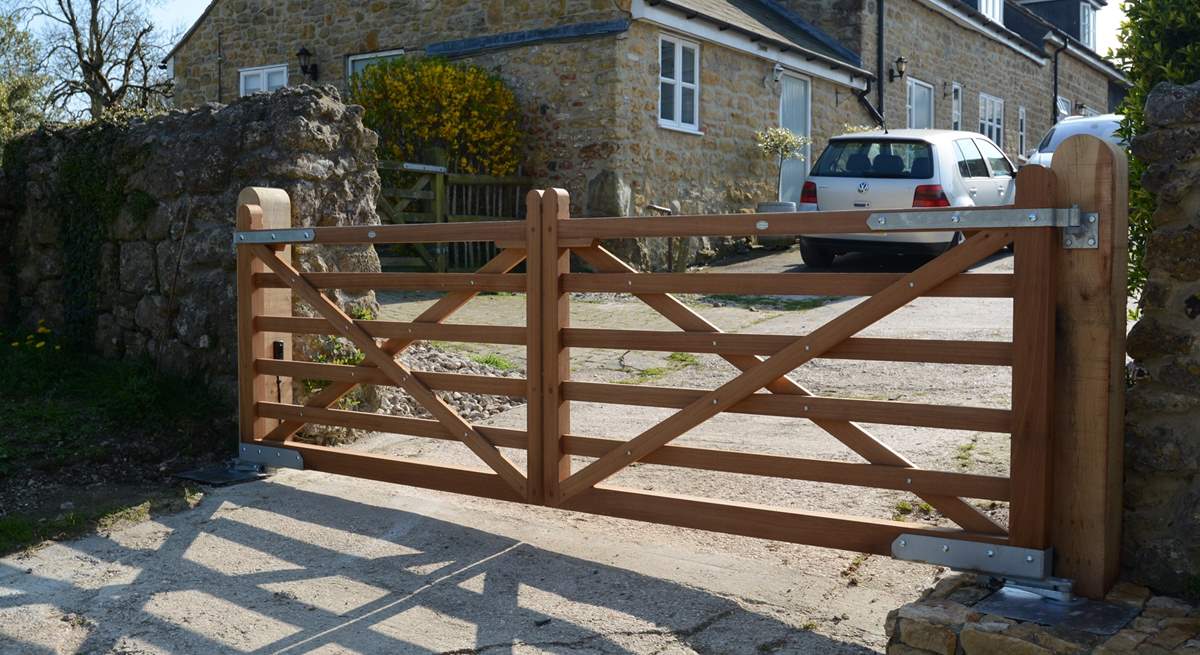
<point x="269" y="568"/>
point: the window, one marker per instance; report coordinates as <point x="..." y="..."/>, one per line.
<point x="995" y="159"/>
<point x="1021" y="131"/>
<point x="262" y="79"/>
<point x="991" y="118"/>
<point x="920" y="104"/>
<point x="956" y="106"/>
<point x="876" y="158"/>
<point x="1088" y="111"/>
<point x="970" y="162"/>
<point x="1064" y="108"/>
<point x="1087" y="24"/>
<point x="678" y="84"/>
<point x="993" y="9"/>
<point x="355" y="64"/>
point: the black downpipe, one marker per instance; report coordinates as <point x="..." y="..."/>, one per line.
<point x="1054" y="97"/>
<point x="879" y="59"/>
<point x="862" y="99"/>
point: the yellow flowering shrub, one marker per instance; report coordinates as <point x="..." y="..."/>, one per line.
<point x="418" y="105"/>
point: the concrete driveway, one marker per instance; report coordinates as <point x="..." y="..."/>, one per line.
<point x="308" y="562"/>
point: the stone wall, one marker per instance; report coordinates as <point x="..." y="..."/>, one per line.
<point x="1161" y="545"/>
<point x="155" y="278"/>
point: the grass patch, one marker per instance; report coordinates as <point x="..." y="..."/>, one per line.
<point x="74" y="425"/>
<point x="966" y="453"/>
<point x="19" y="532"/>
<point x="905" y="509"/>
<point x="495" y="361"/>
<point x="765" y="302"/>
<point x="685" y="359"/>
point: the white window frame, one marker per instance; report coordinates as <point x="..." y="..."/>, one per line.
<point x="956" y="95"/>
<point x="908" y="104"/>
<point x="266" y="71"/>
<point x="991" y="118"/>
<point x="1087" y="24"/>
<point x="382" y="54"/>
<point x="1021" y="131"/>
<point x="1061" y="103"/>
<point x="679" y="85"/>
<point x="993" y="9"/>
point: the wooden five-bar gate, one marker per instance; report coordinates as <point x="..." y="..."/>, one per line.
<point x="1067" y="227"/>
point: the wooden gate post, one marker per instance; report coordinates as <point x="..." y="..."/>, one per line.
<point x="556" y="361"/>
<point x="260" y="208"/>
<point x="1089" y="372"/>
<point x="535" y="398"/>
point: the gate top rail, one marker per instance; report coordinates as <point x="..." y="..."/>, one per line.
<point x="818" y="222"/>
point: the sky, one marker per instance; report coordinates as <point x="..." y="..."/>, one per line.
<point x="178" y="15"/>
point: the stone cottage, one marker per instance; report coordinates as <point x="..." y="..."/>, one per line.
<point x="632" y="103"/>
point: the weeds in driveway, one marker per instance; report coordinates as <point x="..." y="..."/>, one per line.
<point x="494" y="360"/>
<point x="675" y="361"/>
<point x="686" y="359"/>
<point x="905" y="509"/>
<point x="72" y="423"/>
<point x="764" y="302"/>
<point x="966" y="452"/>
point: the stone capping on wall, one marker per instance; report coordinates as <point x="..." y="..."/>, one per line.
<point x="1161" y="543"/>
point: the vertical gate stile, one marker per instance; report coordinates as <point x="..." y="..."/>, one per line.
<point x="1030" y="463"/>
<point x="534" y="232"/>
<point x="260" y="208"/>
<point x="556" y="361"/>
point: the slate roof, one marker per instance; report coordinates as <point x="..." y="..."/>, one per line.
<point x="771" y="21"/>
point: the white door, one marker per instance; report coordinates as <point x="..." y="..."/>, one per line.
<point x="794" y="113"/>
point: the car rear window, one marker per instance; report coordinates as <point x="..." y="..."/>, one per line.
<point x="879" y="158"/>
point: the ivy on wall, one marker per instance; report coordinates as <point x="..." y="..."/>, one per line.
<point x="87" y="194"/>
<point x="1160" y="42"/>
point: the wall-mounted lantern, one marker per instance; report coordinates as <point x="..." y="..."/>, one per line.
<point x="898" y="69"/>
<point x="307" y="67"/>
<point x="777" y="72"/>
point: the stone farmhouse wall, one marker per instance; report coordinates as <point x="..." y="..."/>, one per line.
<point x="1161" y="545"/>
<point x="164" y="267"/>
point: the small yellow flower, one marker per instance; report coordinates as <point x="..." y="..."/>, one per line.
<point x="15" y="344"/>
<point x="42" y="329"/>
<point x="58" y="347"/>
<point x="40" y="344"/>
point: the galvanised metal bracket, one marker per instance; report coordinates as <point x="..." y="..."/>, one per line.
<point x="287" y="235"/>
<point x="1079" y="230"/>
<point x="284" y="458"/>
<point x="1009" y="562"/>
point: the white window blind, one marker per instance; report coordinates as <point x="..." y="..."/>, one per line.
<point x="679" y="84"/>
<point x="920" y="104"/>
<point x="956" y="106"/>
<point x="991" y="118"/>
<point x="355" y="64"/>
<point x="262" y="79"/>
<point x="1021" y="131"/>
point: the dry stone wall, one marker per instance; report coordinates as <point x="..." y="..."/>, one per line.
<point x="1162" y="468"/>
<point x="122" y="235"/>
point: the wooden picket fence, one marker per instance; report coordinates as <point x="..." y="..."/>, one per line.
<point x="1066" y="356"/>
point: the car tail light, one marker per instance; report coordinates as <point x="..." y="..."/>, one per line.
<point x="930" y="195"/>
<point x="808" y="194"/>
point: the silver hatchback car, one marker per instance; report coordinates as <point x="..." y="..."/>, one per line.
<point x="899" y="169"/>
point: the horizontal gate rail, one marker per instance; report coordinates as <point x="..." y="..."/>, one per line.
<point x="745" y="463"/>
<point x="400" y="281"/>
<point x="982" y="419"/>
<point x="482" y="384"/>
<point x="966" y="285"/>
<point x="934" y="351"/>
<point x="1064" y="439"/>
<point x="399" y="330"/>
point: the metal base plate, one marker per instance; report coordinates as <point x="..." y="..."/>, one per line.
<point x="222" y="475"/>
<point x="1081" y="614"/>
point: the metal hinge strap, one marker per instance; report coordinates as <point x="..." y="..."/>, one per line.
<point x="287" y="235"/>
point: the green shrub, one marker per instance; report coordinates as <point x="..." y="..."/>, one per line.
<point x="1160" y="42"/>
<point x="421" y="106"/>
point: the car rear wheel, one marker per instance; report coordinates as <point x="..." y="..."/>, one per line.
<point x="955" y="240"/>
<point x="814" y="255"/>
